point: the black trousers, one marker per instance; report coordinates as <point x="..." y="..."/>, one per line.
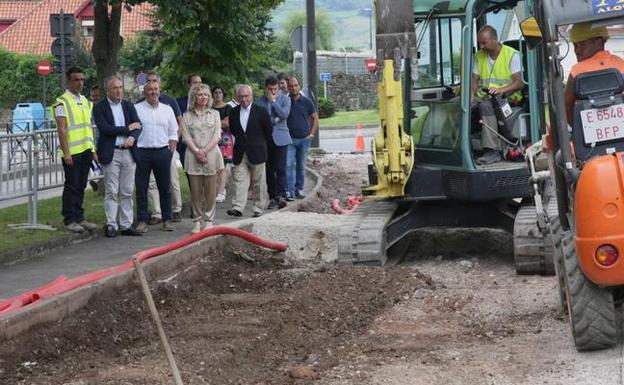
<point x="157" y="160"/>
<point x="276" y="170"/>
<point x="76" y="177"/>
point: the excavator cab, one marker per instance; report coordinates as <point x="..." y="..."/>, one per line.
<point x="582" y="168"/>
<point x="424" y="172"/>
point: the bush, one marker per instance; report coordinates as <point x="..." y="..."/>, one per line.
<point x="326" y="107"/>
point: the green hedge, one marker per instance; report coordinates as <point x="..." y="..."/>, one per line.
<point x="326" y="107"/>
<point x="19" y="81"/>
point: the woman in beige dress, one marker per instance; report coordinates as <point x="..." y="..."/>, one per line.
<point x="203" y="160"/>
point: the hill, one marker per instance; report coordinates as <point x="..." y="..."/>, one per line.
<point x="350" y="19"/>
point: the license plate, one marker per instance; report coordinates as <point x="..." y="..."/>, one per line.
<point x="602" y="124"/>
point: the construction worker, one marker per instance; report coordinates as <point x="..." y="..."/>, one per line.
<point x="589" y="44"/>
<point x="498" y="69"/>
<point x="77" y="148"/>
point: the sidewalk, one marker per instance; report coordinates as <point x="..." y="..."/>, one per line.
<point x="97" y="251"/>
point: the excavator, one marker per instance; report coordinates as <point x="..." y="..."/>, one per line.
<point x="582" y="163"/>
<point x="424" y="172"/>
<point x="564" y="204"/>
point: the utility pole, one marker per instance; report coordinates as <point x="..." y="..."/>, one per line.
<point x="311" y="47"/>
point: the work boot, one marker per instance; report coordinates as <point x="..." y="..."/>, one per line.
<point x="489" y="156"/>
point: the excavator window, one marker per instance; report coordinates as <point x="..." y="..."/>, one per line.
<point x="436" y="112"/>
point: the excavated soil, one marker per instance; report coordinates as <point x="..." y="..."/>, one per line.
<point x="246" y="317"/>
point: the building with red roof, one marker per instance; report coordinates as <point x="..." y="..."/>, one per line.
<point x="25" y="25"/>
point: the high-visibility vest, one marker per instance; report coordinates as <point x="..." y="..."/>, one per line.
<point x="78" y="117"/>
<point x="500" y="74"/>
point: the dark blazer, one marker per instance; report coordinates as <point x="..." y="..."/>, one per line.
<point x="254" y="141"/>
<point x="107" y="131"/>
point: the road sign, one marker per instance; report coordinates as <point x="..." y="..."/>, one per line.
<point x="325" y="76"/>
<point x="297" y="38"/>
<point x="67" y="28"/>
<point x="44" y="68"/>
<point x="57" y="51"/>
<point x="141" y="78"/>
<point x="371" y="65"/>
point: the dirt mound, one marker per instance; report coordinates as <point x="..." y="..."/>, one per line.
<point x="343" y="175"/>
<point x="242" y="317"/>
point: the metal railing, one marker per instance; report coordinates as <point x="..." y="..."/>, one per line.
<point x="29" y="163"/>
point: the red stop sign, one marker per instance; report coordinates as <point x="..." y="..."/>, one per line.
<point x="371" y="65"/>
<point x="44" y="68"/>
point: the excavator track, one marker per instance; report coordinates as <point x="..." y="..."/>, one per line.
<point x="533" y="250"/>
<point x="363" y="239"/>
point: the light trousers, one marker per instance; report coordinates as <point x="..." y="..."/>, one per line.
<point x="203" y="187"/>
<point x="119" y="181"/>
<point x="241" y="174"/>
<point x="176" y="195"/>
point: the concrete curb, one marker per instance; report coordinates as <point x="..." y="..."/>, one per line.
<point x="55" y="309"/>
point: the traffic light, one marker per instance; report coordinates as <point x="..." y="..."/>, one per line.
<point x="62" y="27"/>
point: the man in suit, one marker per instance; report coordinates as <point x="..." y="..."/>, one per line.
<point x="251" y="126"/>
<point x="277" y="105"/>
<point x="119" y="128"/>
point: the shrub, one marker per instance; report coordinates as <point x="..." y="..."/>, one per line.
<point x="327" y="107"/>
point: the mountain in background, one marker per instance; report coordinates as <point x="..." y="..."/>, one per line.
<point x="350" y="19"/>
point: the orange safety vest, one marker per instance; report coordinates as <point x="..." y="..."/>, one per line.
<point x="601" y="60"/>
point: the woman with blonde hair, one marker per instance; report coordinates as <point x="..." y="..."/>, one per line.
<point x="203" y="161"/>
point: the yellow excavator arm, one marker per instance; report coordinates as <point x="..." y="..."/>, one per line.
<point x="393" y="149"/>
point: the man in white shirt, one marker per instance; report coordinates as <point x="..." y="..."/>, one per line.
<point x="155" y="148"/>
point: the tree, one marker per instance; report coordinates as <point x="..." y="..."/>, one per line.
<point x="226" y="42"/>
<point x="107" y="40"/>
<point x="324" y="27"/>
<point x="141" y="53"/>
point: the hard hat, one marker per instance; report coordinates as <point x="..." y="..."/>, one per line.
<point x="584" y="31"/>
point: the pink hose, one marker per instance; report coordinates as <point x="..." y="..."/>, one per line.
<point x="62" y="284"/>
<point x="353" y="201"/>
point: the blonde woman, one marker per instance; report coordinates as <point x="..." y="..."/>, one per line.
<point x="203" y="160"/>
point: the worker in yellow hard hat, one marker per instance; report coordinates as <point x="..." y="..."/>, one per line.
<point x="589" y="47"/>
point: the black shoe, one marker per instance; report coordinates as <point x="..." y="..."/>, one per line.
<point x="110" y="231"/>
<point x="281" y="203"/>
<point x="177" y="217"/>
<point x="131" y="232"/>
<point x="234" y="213"/>
<point x="272" y="204"/>
<point x="93" y="185"/>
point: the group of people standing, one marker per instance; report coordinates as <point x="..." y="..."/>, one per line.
<point x="264" y="144"/>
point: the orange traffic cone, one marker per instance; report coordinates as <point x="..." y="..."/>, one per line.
<point x="359" y="138"/>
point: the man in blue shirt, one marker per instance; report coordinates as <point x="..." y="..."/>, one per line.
<point x="277" y="105"/>
<point x="303" y="125"/>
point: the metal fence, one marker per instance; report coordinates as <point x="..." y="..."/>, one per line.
<point x="29" y="164"/>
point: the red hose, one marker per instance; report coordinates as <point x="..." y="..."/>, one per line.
<point x="62" y="284"/>
<point x="353" y="201"/>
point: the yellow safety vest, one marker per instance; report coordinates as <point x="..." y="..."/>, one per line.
<point x="500" y="74"/>
<point x="78" y="117"/>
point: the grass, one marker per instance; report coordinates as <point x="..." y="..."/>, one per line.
<point x="49" y="213"/>
<point x="349" y="119"/>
